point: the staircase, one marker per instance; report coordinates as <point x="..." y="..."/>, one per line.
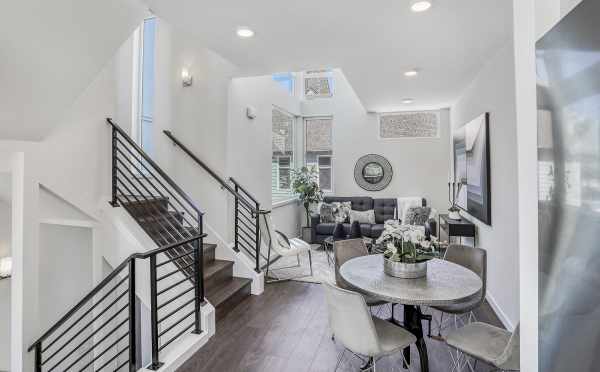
<point x="222" y="289"/>
<point x="103" y="331"/>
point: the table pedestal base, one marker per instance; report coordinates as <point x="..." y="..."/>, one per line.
<point x="412" y="323"/>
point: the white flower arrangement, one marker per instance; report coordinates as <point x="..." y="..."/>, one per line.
<point x="406" y="243"/>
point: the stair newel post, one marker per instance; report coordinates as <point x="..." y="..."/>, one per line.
<point x="38" y="357"/>
<point x="257" y="236"/>
<point x="156" y="364"/>
<point x="132" y="319"/>
<point x="114" y="201"/>
<point x="236" y="212"/>
<point x="200" y="259"/>
<point x="197" y="290"/>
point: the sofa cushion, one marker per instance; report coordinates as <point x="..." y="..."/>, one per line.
<point x="363" y="216"/>
<point x="384" y="209"/>
<point x="326" y="213"/>
<point x="417" y="216"/>
<point x="325" y="228"/>
<point x="376" y="230"/>
<point x="360" y="203"/>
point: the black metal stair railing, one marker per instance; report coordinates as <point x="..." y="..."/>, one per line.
<point x="168" y="215"/>
<point x="245" y="213"/>
<point x="100" y="332"/>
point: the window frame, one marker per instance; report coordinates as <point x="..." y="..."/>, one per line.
<point x="293" y="157"/>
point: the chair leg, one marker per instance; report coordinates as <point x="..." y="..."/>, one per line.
<point x="310" y="262"/>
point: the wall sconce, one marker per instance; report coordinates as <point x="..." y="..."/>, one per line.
<point x="5" y="267"/>
<point x="186" y="77"/>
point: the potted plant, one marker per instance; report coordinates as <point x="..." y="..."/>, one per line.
<point x="305" y="183"/>
<point x="407" y="250"/>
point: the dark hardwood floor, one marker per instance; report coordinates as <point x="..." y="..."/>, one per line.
<point x="286" y="330"/>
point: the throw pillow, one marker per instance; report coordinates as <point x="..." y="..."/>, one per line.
<point x="326" y="213"/>
<point x="341" y="211"/>
<point x="363" y="216"/>
<point x="417" y="216"/>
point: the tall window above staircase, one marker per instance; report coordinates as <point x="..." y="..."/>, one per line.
<point x="319" y="149"/>
<point x="144" y="63"/>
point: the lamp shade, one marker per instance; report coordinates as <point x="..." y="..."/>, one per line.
<point x="5" y="267"/>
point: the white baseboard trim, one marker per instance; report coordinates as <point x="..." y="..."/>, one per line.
<point x="499" y="312"/>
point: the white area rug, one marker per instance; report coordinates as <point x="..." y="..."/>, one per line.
<point x="322" y="270"/>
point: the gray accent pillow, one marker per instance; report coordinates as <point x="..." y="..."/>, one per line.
<point x="363" y="216"/>
<point x="341" y="211"/>
<point x="417" y="216"/>
<point x="326" y="213"/>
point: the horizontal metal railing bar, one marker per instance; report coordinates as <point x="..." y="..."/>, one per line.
<point x="248" y="220"/>
<point x="174" y="258"/>
<point x="212" y="173"/>
<point x="153" y="164"/>
<point x="128" y="158"/>
<point x="152" y="184"/>
<point x="251" y="252"/>
<point x="174" y="285"/>
<point x="99" y="343"/>
<point x="122" y="364"/>
<point x="179" y="269"/>
<point x="247" y="209"/>
<point x="164" y="331"/>
<point x="86" y="313"/>
<point x="247" y="242"/>
<point x="85" y="339"/>
<point x="89" y="323"/>
<point x="176" y="336"/>
<point x="143" y="226"/>
<point x="113" y="358"/>
<point x="170" y="313"/>
<point x="243" y="190"/>
<point x="167" y="302"/>
<point x="110" y="277"/>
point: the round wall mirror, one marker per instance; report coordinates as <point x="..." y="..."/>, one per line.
<point x="373" y="172"/>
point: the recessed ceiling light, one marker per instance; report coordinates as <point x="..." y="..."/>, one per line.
<point x="408" y="101"/>
<point x="411" y="73"/>
<point x="244" y="32"/>
<point x="420" y="5"/>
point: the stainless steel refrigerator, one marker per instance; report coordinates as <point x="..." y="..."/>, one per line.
<point x="568" y="69"/>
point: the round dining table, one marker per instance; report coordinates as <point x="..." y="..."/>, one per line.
<point x="446" y="283"/>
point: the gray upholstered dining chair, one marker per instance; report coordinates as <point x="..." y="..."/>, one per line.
<point x="360" y="332"/>
<point x="487" y="343"/>
<point x="474" y="259"/>
<point x="345" y="250"/>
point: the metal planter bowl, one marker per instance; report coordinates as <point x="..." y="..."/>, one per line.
<point x="404" y="270"/>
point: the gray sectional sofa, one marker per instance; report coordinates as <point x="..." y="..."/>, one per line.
<point x="385" y="209"/>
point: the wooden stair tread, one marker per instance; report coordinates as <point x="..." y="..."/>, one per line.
<point x="222" y="293"/>
<point x="215" y="266"/>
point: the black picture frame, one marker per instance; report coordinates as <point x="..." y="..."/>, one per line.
<point x="471" y="151"/>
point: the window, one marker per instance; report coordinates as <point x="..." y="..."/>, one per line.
<point x="421" y="124"/>
<point x="287" y="80"/>
<point x="283" y="154"/>
<point x="318" y="84"/>
<point x="144" y="86"/>
<point x="319" y="149"/>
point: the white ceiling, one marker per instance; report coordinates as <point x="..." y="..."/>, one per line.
<point x="373" y="42"/>
<point x="50" y="51"/>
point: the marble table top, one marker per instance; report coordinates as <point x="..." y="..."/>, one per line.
<point x="446" y="283"/>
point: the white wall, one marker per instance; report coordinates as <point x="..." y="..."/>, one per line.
<point x="5" y="240"/>
<point x="249" y="148"/>
<point x="63" y="249"/>
<point x="420" y="166"/>
<point x="493" y="91"/>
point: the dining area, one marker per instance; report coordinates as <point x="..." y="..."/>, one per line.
<point x="397" y="304"/>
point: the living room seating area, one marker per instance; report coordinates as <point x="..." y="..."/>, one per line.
<point x="384" y="209"/>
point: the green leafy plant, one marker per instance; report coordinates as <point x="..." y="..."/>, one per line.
<point x="305" y="183"/>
